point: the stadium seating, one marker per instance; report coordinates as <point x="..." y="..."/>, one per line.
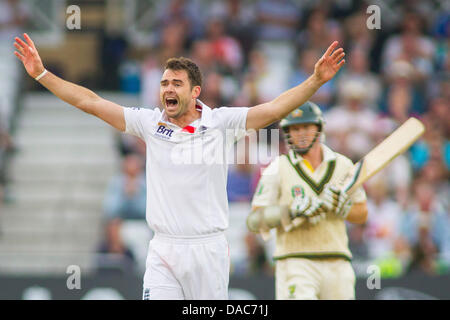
<point x="64" y="161"/>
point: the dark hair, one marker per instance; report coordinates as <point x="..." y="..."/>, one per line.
<point x="182" y="63"/>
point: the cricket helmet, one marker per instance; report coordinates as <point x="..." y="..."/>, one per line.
<point x="309" y="112"/>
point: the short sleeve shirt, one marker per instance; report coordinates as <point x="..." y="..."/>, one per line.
<point x="187" y="171"/>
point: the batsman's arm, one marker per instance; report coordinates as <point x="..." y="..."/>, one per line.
<point x="262" y="115"/>
<point x="358" y="213"/>
<point x="75" y="95"/>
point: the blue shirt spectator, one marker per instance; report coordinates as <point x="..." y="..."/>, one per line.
<point x="126" y="195"/>
<point x="277" y="19"/>
<point x="123" y="203"/>
<point x="239" y="186"/>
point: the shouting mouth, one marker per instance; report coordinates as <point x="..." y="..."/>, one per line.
<point x="171" y="103"/>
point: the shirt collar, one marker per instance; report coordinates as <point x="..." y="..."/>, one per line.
<point x="328" y="155"/>
<point x="205" y="119"/>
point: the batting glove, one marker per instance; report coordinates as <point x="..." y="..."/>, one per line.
<point x="308" y="207"/>
<point x="336" y="201"/>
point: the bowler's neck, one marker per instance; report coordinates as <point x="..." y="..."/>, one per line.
<point x="187" y="118"/>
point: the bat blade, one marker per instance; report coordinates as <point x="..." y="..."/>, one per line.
<point x="391" y="147"/>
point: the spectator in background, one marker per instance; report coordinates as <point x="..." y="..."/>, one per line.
<point x="6" y="145"/>
<point x="132" y="145"/>
<point x="6" y="142"/>
<point x="425" y="229"/>
<point x="401" y="97"/>
<point x="202" y="53"/>
<point x="444" y="84"/>
<point x="226" y="50"/>
<point x="257" y="261"/>
<point x="241" y="172"/>
<point x="359" y="36"/>
<point x="14" y="15"/>
<point x="438" y="116"/>
<point x="357" y="242"/>
<point x="212" y="91"/>
<point x="113" y="50"/>
<point x="257" y="85"/>
<point x="441" y="25"/>
<point x="383" y="221"/>
<point x="173" y="37"/>
<point x="227" y="54"/>
<point x="439" y="84"/>
<point x="170" y="45"/>
<point x="411" y="46"/>
<point x="357" y="69"/>
<point x="125" y="197"/>
<point x="239" y="18"/>
<point x="351" y="124"/>
<point x="220" y="89"/>
<point x="434" y="145"/>
<point x="150" y="77"/>
<point x="431" y="155"/>
<point x="186" y="13"/>
<point x="316" y="35"/>
<point x="277" y="20"/>
<point x="125" y="201"/>
<point x="240" y="179"/>
<point x="436" y="174"/>
<point x="304" y="69"/>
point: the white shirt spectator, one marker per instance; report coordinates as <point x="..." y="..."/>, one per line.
<point x="382" y="227"/>
<point x="350" y="131"/>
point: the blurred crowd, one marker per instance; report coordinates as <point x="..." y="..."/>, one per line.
<point x="251" y="51"/>
<point x="13" y="17"/>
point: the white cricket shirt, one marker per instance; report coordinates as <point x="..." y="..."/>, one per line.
<point x="187" y="172"/>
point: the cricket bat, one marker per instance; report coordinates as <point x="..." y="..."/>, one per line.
<point x="398" y="142"/>
<point x="395" y="144"/>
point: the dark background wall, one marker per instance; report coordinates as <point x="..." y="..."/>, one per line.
<point x="414" y="286"/>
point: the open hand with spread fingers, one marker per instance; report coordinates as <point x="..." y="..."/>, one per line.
<point x="336" y="201"/>
<point x="329" y="64"/>
<point x="28" y="54"/>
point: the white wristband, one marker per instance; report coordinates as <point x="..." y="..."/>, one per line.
<point x="39" y="77"/>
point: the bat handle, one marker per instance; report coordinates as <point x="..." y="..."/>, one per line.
<point x="298" y="221"/>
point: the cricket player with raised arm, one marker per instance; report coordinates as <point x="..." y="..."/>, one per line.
<point x="187" y="205"/>
<point x="312" y="258"/>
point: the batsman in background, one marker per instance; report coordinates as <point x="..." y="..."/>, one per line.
<point x="312" y="259"/>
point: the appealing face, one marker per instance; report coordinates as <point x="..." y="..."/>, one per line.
<point x="176" y="93"/>
<point x="302" y="135"/>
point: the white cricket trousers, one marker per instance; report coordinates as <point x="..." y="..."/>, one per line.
<point x="312" y="279"/>
<point x="187" y="268"/>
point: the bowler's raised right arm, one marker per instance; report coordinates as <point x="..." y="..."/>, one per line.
<point x="79" y="97"/>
